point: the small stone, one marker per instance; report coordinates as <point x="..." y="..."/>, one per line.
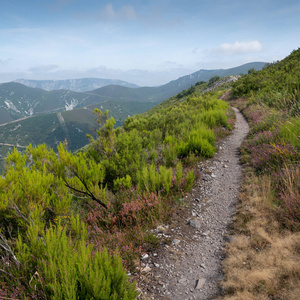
<point x="145" y="256"/>
<point x="205" y="233"/>
<point x="156" y="265"/>
<point x="183" y="281"/>
<point x="195" y="223"/>
<point x="146" y="269"/>
<point x="155" y="254"/>
<point x="175" y="242"/>
<point x="200" y="283"/>
<point x="213" y="175"/>
<point x="220" y="277"/>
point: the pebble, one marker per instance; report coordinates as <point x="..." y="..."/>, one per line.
<point x="145" y="256"/>
<point x="176" y="242"/>
<point x="196" y="223"/>
<point x="200" y="283"/>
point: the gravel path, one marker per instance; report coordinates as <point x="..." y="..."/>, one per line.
<point x="189" y="266"/>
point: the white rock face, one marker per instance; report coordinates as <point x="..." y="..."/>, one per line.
<point x="11" y="106"/>
<point x="71" y="105"/>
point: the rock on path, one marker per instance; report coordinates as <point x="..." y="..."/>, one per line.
<point x="190" y="266"/>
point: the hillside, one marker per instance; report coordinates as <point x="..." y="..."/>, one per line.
<point x="19" y="101"/>
<point x="93" y="210"/>
<point x="263" y="258"/>
<point x="72" y="126"/>
<point x="75" y="85"/>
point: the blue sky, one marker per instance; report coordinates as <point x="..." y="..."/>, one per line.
<point x="144" y="42"/>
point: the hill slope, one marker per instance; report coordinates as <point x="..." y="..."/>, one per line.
<point x="263" y="258"/>
<point x="19" y="101"/>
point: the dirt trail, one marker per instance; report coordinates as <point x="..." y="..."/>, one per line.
<point x="189" y="267"/>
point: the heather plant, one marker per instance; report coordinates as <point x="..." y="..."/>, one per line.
<point x="287" y="185"/>
<point x="269" y="157"/>
<point x="267" y="121"/>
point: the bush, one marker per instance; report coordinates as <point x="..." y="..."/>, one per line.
<point x="71" y="269"/>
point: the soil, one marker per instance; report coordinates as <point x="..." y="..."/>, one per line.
<point x="188" y="263"/>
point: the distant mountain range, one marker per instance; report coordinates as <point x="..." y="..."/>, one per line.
<point x="33" y="115"/>
<point x="75" y="85"/>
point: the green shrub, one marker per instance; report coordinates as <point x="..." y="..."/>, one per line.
<point x="190" y="177"/>
<point x="179" y="174"/>
<point x="123" y="183"/>
<point x="215" y="118"/>
<point x="71" y="269"/>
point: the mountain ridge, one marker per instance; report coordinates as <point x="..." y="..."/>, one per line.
<point x="24" y="111"/>
<point x="75" y="85"/>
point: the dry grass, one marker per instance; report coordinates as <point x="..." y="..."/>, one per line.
<point x="262" y="259"/>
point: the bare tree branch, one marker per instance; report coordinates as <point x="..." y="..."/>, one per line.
<point x="4" y="245"/>
<point x="87" y="192"/>
<point x="15" y="207"/>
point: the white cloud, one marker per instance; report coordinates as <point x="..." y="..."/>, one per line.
<point x="126" y="12"/>
<point x="239" y="48"/>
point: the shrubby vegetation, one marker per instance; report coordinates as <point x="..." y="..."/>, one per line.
<point x="277" y="85"/>
<point x="268" y="223"/>
<point x="69" y="222"/>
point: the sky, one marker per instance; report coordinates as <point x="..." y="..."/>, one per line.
<point x="146" y="42"/>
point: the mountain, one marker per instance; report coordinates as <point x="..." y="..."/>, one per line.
<point x="33" y="115"/>
<point x="163" y="92"/>
<point x="19" y="101"/>
<point x="75" y="85"/>
<point x="53" y="128"/>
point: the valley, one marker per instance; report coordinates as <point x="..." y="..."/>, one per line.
<point x="29" y="114"/>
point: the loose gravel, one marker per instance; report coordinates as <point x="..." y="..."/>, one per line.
<point x="188" y="266"/>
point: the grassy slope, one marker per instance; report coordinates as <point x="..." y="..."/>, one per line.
<point x="263" y="258"/>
